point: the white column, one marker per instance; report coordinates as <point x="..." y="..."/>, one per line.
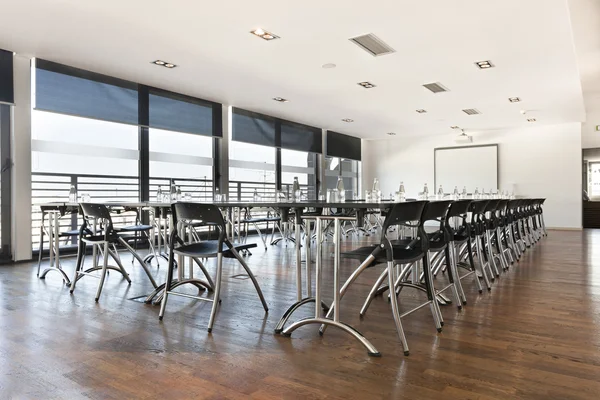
<point x="21" y="155"/>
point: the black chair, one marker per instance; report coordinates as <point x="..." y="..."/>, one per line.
<point x="478" y="229"/>
<point x="396" y="253"/>
<point x="503" y="240"/>
<point x="460" y="244"/>
<point x="105" y="242"/>
<point x="205" y="215"/>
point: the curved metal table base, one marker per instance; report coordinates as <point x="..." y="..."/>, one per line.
<point x="99" y="268"/>
<point x="63" y="273"/>
<point x="286" y="316"/>
<point x="371" y="350"/>
<point x="156" y="296"/>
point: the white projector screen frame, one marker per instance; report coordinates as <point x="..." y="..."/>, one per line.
<point x="470" y="166"/>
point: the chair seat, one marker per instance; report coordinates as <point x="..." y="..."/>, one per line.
<point x="401" y="254"/>
<point x="210" y="248"/>
<point x="74" y="232"/>
<point x="134" y="228"/>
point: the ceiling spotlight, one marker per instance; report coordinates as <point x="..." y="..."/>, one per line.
<point x="514" y="99"/>
<point x="328" y="66"/>
<point x="280" y="99"/>
<point x="392" y="133"/>
<point x="261" y="33"/>
<point x="454" y="127"/>
<point x="366" y="85"/>
<point x="164" y="64"/>
<point x="530" y="119"/>
<point x="348" y="120"/>
<point x="523" y="112"/>
<point x="484" y="64"/>
<point x="421" y="111"/>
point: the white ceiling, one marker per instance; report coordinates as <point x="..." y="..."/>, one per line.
<point x="529" y="41"/>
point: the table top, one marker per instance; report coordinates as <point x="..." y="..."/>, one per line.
<point x="355" y="204"/>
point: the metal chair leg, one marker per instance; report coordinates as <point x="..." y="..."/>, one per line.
<point x="216" y="299"/>
<point x="104" y="269"/>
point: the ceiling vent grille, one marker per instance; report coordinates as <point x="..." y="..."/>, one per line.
<point x="373" y="45"/>
<point x="436" y="87"/>
<point x="472" y="111"/>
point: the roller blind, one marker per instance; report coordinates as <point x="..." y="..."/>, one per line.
<point x="176" y="112"/>
<point x="7" y="94"/>
<point x="300" y="137"/>
<point x="343" y="146"/>
<point x="253" y="128"/>
<point x="67" y="90"/>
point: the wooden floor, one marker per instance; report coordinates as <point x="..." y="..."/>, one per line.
<point x="536" y="335"/>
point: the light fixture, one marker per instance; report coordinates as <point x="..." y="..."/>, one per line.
<point x="392" y="133"/>
<point x="421" y="111"/>
<point x="514" y="99"/>
<point x="280" y="99"/>
<point x="366" y="85"/>
<point x="328" y="66"/>
<point x="164" y="64"/>
<point x="348" y="120"/>
<point x="454" y="127"/>
<point x="531" y="120"/>
<point x="261" y="33"/>
<point x="484" y="64"/>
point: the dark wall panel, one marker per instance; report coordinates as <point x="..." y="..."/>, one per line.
<point x="7" y="92"/>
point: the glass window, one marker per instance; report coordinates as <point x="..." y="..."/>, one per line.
<point x="350" y="172"/>
<point x="99" y="158"/>
<point x="182" y="158"/>
<point x="251" y="167"/>
<point x="299" y="164"/>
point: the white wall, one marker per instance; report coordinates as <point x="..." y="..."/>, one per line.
<point x="540" y="161"/>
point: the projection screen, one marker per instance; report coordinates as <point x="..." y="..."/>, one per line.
<point x="470" y="166"/>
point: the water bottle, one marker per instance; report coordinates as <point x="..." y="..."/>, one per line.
<point x="178" y="193"/>
<point x="425" y="192"/>
<point x="376" y="190"/>
<point x="173" y="193"/>
<point x="455" y="194"/>
<point x="72" y="194"/>
<point x="464" y="192"/>
<point x="159" y="195"/>
<point x="340" y="189"/>
<point x="440" y="193"/>
<point x="476" y="193"/>
<point x="296" y="192"/>
<point x="401" y="192"/>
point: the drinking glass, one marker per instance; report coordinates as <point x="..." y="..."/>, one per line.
<point x="85" y="197"/>
<point x="187" y="197"/>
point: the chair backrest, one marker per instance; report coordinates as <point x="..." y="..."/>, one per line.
<point x="205" y="214"/>
<point x="491" y="205"/>
<point x="403" y="214"/>
<point x="436" y="210"/>
<point x="459" y="208"/>
<point x="96" y="213"/>
<point x="478" y="206"/>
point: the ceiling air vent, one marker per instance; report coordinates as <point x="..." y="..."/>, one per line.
<point x="436" y="87"/>
<point x="472" y="111"/>
<point x="373" y="45"/>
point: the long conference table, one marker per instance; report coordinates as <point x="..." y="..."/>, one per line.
<point x="352" y="210"/>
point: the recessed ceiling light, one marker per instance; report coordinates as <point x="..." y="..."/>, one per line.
<point x="280" y="99"/>
<point x="484" y="64"/>
<point x="514" y="99"/>
<point x="347" y="120"/>
<point x="261" y="33"/>
<point x="471" y="111"/>
<point x="366" y="85"/>
<point x="530" y="119"/>
<point x="164" y="64"/>
<point x="392" y="133"/>
<point x="454" y="127"/>
<point x="328" y="65"/>
<point x="421" y="111"/>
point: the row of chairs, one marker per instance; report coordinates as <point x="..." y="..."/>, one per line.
<point x="494" y="232"/>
